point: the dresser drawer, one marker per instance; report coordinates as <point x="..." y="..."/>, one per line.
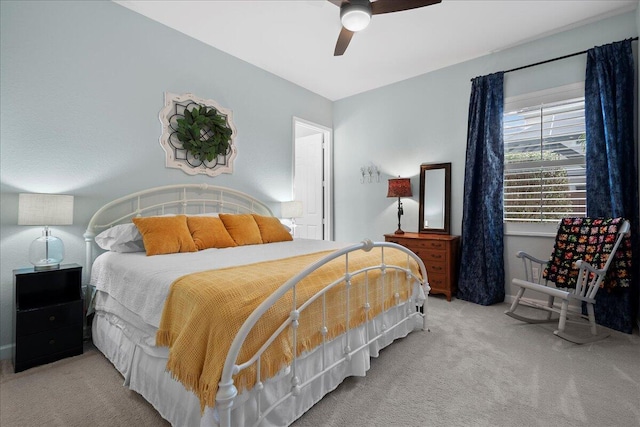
<point x="401" y="242"/>
<point x="438" y="283"/>
<point x="435" y="245"/>
<point x="48" y="318"/>
<point x="416" y="245"/>
<point x="435" y="267"/>
<point x="432" y="256"/>
<point x="49" y="343"/>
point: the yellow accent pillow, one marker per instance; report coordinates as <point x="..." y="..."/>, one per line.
<point x="165" y="235"/>
<point x="209" y="232"/>
<point x="242" y="228"/>
<point x="271" y="229"/>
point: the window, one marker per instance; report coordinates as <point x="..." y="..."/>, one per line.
<point x="544" y="157"/>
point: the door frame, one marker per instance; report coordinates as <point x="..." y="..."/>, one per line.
<point x="327" y="154"/>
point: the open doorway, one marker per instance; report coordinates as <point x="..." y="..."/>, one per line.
<point x="313" y="179"/>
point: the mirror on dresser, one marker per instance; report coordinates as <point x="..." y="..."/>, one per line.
<point x="435" y="198"/>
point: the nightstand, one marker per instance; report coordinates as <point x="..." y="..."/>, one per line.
<point x="48" y="315"/>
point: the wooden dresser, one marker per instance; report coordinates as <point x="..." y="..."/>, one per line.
<point x="439" y="252"/>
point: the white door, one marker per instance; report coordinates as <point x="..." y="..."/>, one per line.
<point x="308" y="185"/>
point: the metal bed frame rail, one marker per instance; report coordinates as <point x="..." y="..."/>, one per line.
<point x="227" y="390"/>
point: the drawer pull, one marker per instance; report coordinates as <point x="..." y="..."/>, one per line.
<point x="52" y="318"/>
<point x="52" y="342"/>
<point x="436" y="256"/>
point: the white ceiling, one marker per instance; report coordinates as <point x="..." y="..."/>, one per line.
<point x="294" y="39"/>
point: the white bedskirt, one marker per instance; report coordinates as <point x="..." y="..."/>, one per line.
<point x="132" y="351"/>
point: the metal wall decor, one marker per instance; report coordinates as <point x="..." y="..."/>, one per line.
<point x="369" y="174"/>
<point x="177" y="155"/>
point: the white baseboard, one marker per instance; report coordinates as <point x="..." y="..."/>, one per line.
<point x="6" y="351"/>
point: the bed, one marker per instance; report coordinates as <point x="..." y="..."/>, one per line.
<point x="244" y="334"/>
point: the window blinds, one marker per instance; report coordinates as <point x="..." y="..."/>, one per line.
<point x="544" y="173"/>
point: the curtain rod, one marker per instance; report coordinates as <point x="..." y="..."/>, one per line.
<point x="555" y="59"/>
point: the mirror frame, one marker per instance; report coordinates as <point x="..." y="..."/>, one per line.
<point x="447" y="197"/>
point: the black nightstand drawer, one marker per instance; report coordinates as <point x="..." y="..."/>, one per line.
<point x="44" y="347"/>
<point x="47" y="318"/>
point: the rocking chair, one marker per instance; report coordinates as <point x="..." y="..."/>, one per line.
<point x="583" y="251"/>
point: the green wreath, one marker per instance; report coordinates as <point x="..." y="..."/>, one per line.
<point x="204" y="133"/>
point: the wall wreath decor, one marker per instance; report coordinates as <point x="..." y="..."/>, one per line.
<point x="197" y="135"/>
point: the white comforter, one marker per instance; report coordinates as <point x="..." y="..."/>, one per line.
<point x="141" y="283"/>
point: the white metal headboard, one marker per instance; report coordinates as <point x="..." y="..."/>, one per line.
<point x="188" y="199"/>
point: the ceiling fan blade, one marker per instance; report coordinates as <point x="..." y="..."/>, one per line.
<point x="388" y="6"/>
<point x="336" y="2"/>
<point x="343" y="41"/>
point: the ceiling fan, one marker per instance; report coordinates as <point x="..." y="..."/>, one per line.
<point x="356" y="14"/>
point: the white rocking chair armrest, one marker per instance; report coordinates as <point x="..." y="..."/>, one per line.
<point x="580" y="264"/>
<point x="589" y="281"/>
<point x="522" y="254"/>
<point x="533" y="267"/>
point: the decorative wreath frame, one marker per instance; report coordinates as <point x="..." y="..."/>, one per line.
<point x="214" y="152"/>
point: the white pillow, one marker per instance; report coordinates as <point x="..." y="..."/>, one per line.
<point x="286" y="224"/>
<point x="121" y="238"/>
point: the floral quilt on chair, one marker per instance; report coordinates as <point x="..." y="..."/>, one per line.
<point x="589" y="239"/>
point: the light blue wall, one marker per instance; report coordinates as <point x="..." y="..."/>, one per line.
<point x="424" y="120"/>
<point x="82" y="84"/>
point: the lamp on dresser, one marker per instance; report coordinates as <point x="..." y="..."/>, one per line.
<point x="47" y="251"/>
<point x="399" y="187"/>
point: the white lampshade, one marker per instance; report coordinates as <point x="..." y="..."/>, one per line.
<point x="47" y="251"/>
<point x="291" y="209"/>
<point x="45" y="209"/>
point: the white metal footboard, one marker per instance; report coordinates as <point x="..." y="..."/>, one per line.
<point x="227" y="391"/>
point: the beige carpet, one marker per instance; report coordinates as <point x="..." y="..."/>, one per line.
<point x="84" y="390"/>
<point x="475" y="367"/>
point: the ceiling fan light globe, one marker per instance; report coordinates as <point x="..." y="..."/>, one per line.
<point x="356" y="17"/>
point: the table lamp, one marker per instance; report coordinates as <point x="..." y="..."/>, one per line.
<point x="292" y="210"/>
<point x="399" y="187"/>
<point x="47" y="251"/>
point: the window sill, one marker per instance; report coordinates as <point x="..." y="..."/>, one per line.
<point x="530" y="229"/>
<point x="528" y="234"/>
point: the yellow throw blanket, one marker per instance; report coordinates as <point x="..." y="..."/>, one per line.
<point x="205" y="310"/>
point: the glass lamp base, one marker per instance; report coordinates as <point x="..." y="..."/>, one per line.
<point x="44" y="267"/>
<point x="46" y="252"/>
